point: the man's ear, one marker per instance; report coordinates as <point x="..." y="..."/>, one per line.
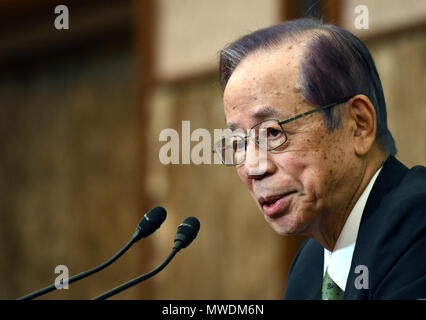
<point x="364" y="118"/>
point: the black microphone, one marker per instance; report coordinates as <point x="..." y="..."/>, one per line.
<point x="187" y="231"/>
<point x="151" y="221"/>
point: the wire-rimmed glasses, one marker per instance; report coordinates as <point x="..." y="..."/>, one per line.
<point x="268" y="134"/>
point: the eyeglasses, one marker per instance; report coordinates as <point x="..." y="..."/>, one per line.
<point x="268" y="135"/>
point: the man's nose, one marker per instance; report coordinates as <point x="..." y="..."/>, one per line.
<point x="256" y="162"/>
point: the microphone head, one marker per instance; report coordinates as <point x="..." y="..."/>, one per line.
<point x="186" y="232"/>
<point x="151" y="221"/>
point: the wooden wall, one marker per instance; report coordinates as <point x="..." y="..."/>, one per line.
<point x="236" y="255"/>
<point x="70" y="180"/>
<point x="70" y="173"/>
<point x="401" y="61"/>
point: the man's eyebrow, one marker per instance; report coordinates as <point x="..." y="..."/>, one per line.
<point x="262" y="113"/>
<point x="269" y="112"/>
<point x="266" y="112"/>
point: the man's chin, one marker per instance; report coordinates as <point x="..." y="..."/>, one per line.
<point x="284" y="228"/>
<point x="285" y="232"/>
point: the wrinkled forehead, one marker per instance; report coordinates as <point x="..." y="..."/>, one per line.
<point x="279" y="65"/>
<point x="266" y="81"/>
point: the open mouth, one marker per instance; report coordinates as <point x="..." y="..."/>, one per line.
<point x="272" y="205"/>
<point x="269" y="201"/>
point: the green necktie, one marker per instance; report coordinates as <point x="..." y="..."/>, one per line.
<point x="330" y="290"/>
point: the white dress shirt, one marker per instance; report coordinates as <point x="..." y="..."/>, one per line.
<point x="339" y="260"/>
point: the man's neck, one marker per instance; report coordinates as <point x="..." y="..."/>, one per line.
<point x="330" y="228"/>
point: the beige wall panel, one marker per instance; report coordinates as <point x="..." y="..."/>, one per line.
<point x="190" y="32"/>
<point x="401" y="63"/>
<point x="383" y="15"/>
<point x="236" y="255"/>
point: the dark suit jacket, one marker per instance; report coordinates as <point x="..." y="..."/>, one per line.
<point x="391" y="242"/>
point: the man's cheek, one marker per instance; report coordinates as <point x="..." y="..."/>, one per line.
<point x="293" y="164"/>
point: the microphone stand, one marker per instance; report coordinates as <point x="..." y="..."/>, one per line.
<point x="82" y="275"/>
<point x="186" y="233"/>
<point x="139" y="279"/>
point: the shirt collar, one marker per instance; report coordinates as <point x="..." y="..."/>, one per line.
<point x="339" y="260"/>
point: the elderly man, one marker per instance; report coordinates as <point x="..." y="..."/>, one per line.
<point x="310" y="94"/>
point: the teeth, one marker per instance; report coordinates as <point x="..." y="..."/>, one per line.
<point x="272" y="201"/>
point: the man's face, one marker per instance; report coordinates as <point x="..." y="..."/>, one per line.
<point x="304" y="183"/>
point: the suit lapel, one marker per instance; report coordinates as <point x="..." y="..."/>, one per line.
<point x="390" y="175"/>
<point x="304" y="282"/>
